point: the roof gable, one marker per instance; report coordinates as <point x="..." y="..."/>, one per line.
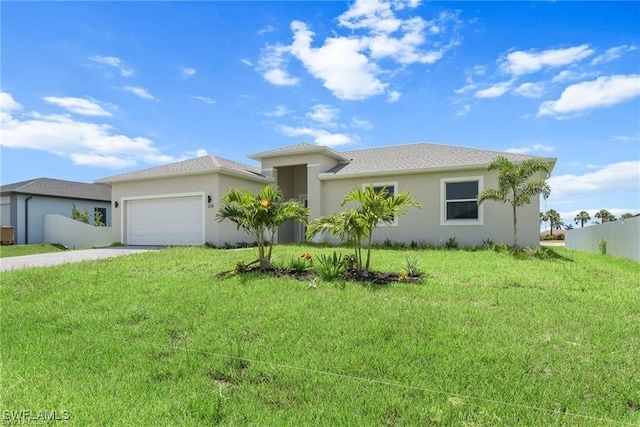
<point x="302" y="148"/>
<point x="59" y="188"/>
<point x="198" y="165"/>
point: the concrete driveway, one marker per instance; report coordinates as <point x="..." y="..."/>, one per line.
<point x="57" y="258"/>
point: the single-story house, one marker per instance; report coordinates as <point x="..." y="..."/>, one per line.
<point x="175" y="204"/>
<point x="24" y="204"/>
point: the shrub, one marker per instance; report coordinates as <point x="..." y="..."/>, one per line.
<point x="451" y="243"/>
<point x="301" y="264"/>
<point x="331" y="267"/>
<point x="411" y="266"/>
<point x="602" y="246"/>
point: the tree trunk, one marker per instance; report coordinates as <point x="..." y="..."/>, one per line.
<point x="515" y="228"/>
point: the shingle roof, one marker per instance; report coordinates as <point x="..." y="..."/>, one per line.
<point x="303" y="147"/>
<point x="197" y="165"/>
<point x="420" y="156"/>
<point x="59" y="188"/>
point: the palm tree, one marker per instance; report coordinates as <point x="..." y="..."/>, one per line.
<point x="260" y="215"/>
<point x="516" y="186"/>
<point x="543" y="219"/>
<point x="555" y="220"/>
<point x="626" y="215"/>
<point x="582" y="218"/>
<point x="605" y="216"/>
<point x="376" y="207"/>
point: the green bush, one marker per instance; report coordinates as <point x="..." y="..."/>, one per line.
<point x="331" y="267"/>
<point x="300" y="264"/>
<point x="412" y="266"/>
<point x="602" y="246"/>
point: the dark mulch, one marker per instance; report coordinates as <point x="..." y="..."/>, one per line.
<point x="374" y="277"/>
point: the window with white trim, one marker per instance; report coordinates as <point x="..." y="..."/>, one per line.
<point x="460" y="201"/>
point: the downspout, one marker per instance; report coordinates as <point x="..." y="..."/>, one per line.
<point x="26" y="220"/>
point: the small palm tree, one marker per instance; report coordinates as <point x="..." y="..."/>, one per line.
<point x="355" y="225"/>
<point x="626" y="215"/>
<point x="516" y="185"/>
<point x="582" y="218"/>
<point x="378" y="207"/>
<point x="260" y="215"/>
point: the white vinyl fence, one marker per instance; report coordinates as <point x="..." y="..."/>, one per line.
<point x="75" y="234"/>
<point x="622" y="238"/>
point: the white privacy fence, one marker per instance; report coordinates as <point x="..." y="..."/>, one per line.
<point x="75" y="234"/>
<point x="622" y="238"/>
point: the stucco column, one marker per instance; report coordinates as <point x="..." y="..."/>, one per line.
<point x="313" y="191"/>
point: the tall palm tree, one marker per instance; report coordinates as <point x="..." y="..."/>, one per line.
<point x="605" y="216"/>
<point x="517" y="185"/>
<point x="582" y="218"/>
<point x="260" y="215"/>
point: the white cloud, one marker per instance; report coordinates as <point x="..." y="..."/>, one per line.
<point x="272" y="65"/>
<point x="602" y="92"/>
<point x="351" y="66"/>
<point x="139" y="91"/>
<point x="205" y="99"/>
<point x="494" y="91"/>
<point x="246" y="62"/>
<point x="280" y="111"/>
<point x="81" y="106"/>
<point x="7" y="103"/>
<point x="267" y="29"/>
<point x="393" y="97"/>
<point x="521" y="62"/>
<point x="530" y="90"/>
<point x="627" y="138"/>
<point x="534" y="148"/>
<point x="345" y="71"/>
<point x="361" y="124"/>
<point x="324" y="114"/>
<point x="188" y="72"/>
<point x="82" y="142"/>
<point x="612" y="54"/>
<point x="320" y="136"/>
<point x="614" y="176"/>
<point x="115" y="62"/>
<point x="464" y="110"/>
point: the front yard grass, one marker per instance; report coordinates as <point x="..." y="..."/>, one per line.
<point x="34" y="249"/>
<point x="483" y="339"/>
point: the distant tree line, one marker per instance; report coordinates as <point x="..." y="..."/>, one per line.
<point x="582" y="218"/>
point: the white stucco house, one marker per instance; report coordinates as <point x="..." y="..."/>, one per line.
<point x="175" y="204"/>
<point x="24" y="204"/>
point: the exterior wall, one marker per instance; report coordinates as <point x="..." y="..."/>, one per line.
<point x="622" y="237"/>
<point x="226" y="231"/>
<point x="425" y="224"/>
<point x="5" y="210"/>
<point x="38" y="207"/>
<point x="74" y="234"/>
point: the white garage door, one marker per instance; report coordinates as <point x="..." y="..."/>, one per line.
<point x="166" y="221"/>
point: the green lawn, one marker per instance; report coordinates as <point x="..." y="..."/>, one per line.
<point x="20" y="250"/>
<point x="483" y="340"/>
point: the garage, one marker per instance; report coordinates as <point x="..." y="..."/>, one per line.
<point x="166" y="221"/>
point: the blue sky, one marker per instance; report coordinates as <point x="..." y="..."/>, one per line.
<point x="93" y="89"/>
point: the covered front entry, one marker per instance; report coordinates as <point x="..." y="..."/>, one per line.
<point x="292" y="180"/>
<point x="175" y="220"/>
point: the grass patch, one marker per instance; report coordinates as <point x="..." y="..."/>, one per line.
<point x="484" y="339"/>
<point x="34" y="249"/>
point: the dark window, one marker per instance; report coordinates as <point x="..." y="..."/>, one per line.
<point x="462" y="200"/>
<point x="100" y="215"/>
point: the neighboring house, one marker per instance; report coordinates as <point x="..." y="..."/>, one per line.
<point x="175" y="204"/>
<point x="24" y="204"/>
